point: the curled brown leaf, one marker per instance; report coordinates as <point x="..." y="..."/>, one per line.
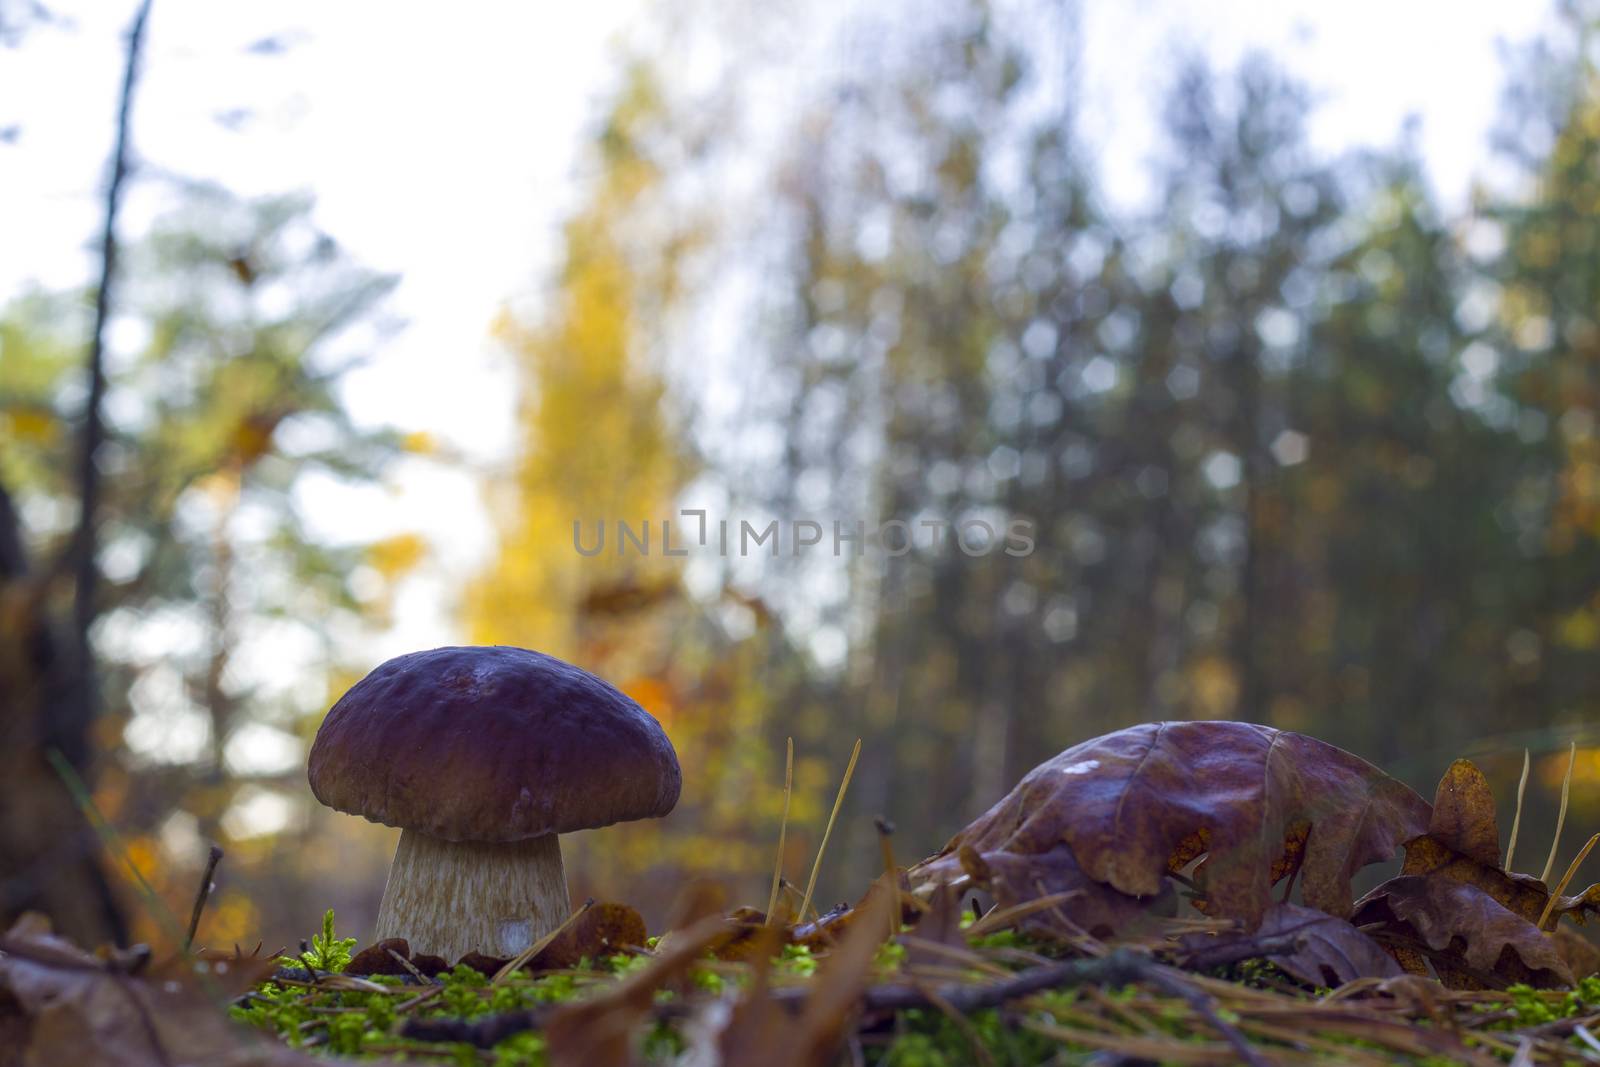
<point x="1460" y="921"/>
<point x="1130" y="804"/>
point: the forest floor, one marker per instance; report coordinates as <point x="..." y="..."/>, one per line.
<point x="1174" y="893"/>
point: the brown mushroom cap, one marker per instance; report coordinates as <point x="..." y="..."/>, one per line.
<point x="491" y="744"/>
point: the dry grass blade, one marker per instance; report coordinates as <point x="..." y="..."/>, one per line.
<point x="842" y="978"/>
<point x="1212" y="1054"/>
<point x="969" y="960"/>
<point x="1000" y="918"/>
<point x="1572" y="870"/>
<point x="598" y="1031"/>
<point x="959" y="1021"/>
<point x="411" y="968"/>
<point x="1131" y="1016"/>
<point x="538" y="946"/>
<point x="1174" y="983"/>
<point x="113" y="844"/>
<point x="1301" y="1040"/>
<point x="1561" y="815"/>
<point x="339" y="983"/>
<point x="1397" y="1035"/>
<point x="838" y="802"/>
<point x="1516" y="820"/>
<point x="1582" y="1034"/>
<point x="783" y="831"/>
<point x="420" y="998"/>
<point x="890" y="869"/>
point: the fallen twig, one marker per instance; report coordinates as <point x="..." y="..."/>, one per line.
<point x="202" y="895"/>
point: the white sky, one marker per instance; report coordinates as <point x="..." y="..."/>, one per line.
<point x="439" y="144"/>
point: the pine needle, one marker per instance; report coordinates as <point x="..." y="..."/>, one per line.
<point x="112" y="842"/>
<point x="1561" y="816"/>
<point x="1572" y="870"/>
<point x="838" y="802"/>
<point x="891" y="871"/>
<point x="1516" y="820"/>
<point x="783" y="832"/>
<point x="521" y="958"/>
<point x="204" y="894"/>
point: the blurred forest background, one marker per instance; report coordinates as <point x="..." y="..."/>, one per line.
<point x="1301" y="447"/>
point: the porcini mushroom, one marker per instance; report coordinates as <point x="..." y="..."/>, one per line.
<point x="482" y="756"/>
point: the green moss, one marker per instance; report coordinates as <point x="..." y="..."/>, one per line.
<point x="890" y="958"/>
<point x="932" y="1039"/>
<point x="798" y="961"/>
<point x="327" y="952"/>
<point x="1003" y="939"/>
<point x="707" y="980"/>
<point x="365" y="1023"/>
<point x="520" y="1050"/>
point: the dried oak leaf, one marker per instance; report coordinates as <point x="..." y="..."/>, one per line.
<point x="1463" y="845"/>
<point x="1463" y="814"/>
<point x="430" y="965"/>
<point x="65" y="1006"/>
<point x="751" y="935"/>
<point x="1092" y="907"/>
<point x="486" y="965"/>
<point x="603" y="930"/>
<point x="827" y="928"/>
<point x="377" y="959"/>
<point x="1581" y="954"/>
<point x="1461" y="921"/>
<point x="1130" y="803"/>
<point x="760" y="1033"/>
<point x="605" y="1029"/>
<point x="939" y="925"/>
<point x="1330" y="950"/>
<point x="214" y="973"/>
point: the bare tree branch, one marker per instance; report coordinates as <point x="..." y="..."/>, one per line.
<point x="82" y="548"/>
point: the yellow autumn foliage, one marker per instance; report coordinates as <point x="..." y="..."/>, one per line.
<point x="596" y="441"/>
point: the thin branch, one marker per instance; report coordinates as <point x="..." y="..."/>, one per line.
<point x="202" y="895"/>
<point x="1516" y="820"/>
<point x="1120" y="968"/>
<point x="82" y="546"/>
<point x="1561" y="815"/>
<point x="783" y="831"/>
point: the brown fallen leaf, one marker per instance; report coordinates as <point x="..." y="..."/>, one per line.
<point x="380" y="958"/>
<point x="431" y="966"/>
<point x="826" y="928"/>
<point x="1091" y="907"/>
<point x="1463" y="814"/>
<point x="486" y="965"/>
<point x="1462" y="845"/>
<point x="939" y="925"/>
<point x="1460" y="921"/>
<point x="602" y="930"/>
<point x="1578" y="906"/>
<point x="598" y="930"/>
<point x="699" y="898"/>
<point x="762" y="1034"/>
<point x="1582" y="956"/>
<point x="214" y="974"/>
<point x="1128" y="803"/>
<point x="755" y="1024"/>
<point x="61" y="1005"/>
<point x="749" y="938"/>
<point x="604" y="1030"/>
<point x="1331" y="951"/>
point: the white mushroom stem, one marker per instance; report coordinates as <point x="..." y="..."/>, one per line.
<point x="449" y="898"/>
